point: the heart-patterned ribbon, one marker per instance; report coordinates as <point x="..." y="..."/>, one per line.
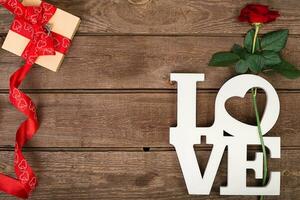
<point x="30" y="22"/>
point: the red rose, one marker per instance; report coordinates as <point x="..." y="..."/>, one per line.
<point x="257" y="13"/>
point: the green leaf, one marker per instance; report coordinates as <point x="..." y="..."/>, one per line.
<point x="240" y="51"/>
<point x="271" y="58"/>
<point x="220" y="59"/>
<point x="275" y="40"/>
<point x="288" y="70"/>
<point x="248" y="41"/>
<point x="242" y="66"/>
<point x="256" y="63"/>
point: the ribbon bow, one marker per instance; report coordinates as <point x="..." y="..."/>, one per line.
<point x="31" y="22"/>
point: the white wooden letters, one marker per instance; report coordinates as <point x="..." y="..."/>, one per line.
<point x="186" y="135"/>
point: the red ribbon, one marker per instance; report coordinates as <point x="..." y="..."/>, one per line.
<point x="30" y="22"/>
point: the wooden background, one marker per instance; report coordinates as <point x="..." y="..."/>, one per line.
<point x="105" y="116"/>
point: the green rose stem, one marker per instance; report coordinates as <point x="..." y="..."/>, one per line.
<point x="254" y="102"/>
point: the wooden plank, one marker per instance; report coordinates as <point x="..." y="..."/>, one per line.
<point x="131" y="119"/>
<point x="128" y="62"/>
<point x="134" y="175"/>
<point x="167" y="16"/>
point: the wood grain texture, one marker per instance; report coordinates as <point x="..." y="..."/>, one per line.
<point x="167" y="16"/>
<point x="134" y="175"/>
<point x="131" y="119"/>
<point x="128" y="62"/>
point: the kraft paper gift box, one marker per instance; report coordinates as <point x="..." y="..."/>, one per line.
<point x="62" y="23"/>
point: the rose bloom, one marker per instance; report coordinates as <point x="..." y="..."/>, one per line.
<point x="257" y="13"/>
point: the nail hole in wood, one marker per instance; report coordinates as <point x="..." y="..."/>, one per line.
<point x="146" y="149"/>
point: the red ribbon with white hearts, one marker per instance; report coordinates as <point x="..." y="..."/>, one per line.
<point x="30" y="22"/>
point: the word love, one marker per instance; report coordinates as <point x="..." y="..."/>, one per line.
<point x="186" y="135"/>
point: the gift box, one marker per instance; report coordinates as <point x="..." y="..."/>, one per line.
<point x="61" y="22"/>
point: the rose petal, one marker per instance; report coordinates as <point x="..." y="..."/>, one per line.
<point x="258" y="8"/>
<point x="256" y="18"/>
<point x="272" y="15"/>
